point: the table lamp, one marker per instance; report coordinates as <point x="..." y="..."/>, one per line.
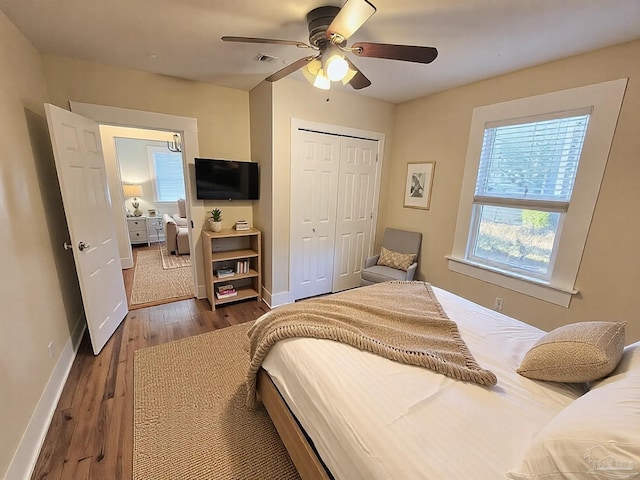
<point x="134" y="191"/>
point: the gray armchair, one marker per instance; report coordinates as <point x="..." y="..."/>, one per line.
<point x="399" y="241"/>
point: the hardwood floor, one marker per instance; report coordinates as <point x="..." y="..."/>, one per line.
<point x="91" y="434"/>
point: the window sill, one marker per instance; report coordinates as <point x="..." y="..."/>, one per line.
<point x="537" y="289"/>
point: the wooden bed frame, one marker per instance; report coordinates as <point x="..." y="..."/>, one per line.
<point x="303" y="455"/>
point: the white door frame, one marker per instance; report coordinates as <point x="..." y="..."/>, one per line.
<point x="297" y="124"/>
<point x="188" y="129"/>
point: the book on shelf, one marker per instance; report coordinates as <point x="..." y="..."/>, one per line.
<point x="242" y="266"/>
<point x="224" y="291"/>
<point x="226" y="294"/>
<point x="225" y="272"/>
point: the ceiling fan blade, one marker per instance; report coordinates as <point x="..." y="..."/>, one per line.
<point x="406" y="53"/>
<point x="350" y="18"/>
<point x="292" y="67"/>
<point x="359" y="81"/>
<point x="265" y="40"/>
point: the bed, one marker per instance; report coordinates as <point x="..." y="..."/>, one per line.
<point x="346" y="413"/>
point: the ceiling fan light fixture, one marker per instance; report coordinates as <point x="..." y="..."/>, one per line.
<point x="336" y="67"/>
<point x="334" y="63"/>
<point x="322" y="81"/>
<point x="310" y="71"/>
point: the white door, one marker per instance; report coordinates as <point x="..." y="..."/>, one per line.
<point x="356" y="184"/>
<point x="314" y="185"/>
<point x="85" y="196"/>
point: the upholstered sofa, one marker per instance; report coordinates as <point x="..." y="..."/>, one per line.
<point x="176" y="233"/>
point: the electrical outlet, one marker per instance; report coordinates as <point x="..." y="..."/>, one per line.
<point x="498" y="304"/>
<point x="52" y="349"/>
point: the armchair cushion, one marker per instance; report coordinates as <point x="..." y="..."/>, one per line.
<point x="397" y="260"/>
<point x="380" y="273"/>
<point x="180" y="221"/>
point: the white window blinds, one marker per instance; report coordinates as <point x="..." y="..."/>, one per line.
<point x="169" y="176"/>
<point x="534" y="161"/>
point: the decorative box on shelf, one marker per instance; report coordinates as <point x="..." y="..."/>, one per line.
<point x="232" y="265"/>
<point x="242" y="225"/>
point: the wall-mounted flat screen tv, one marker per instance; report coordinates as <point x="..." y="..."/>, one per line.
<point x="226" y="180"/>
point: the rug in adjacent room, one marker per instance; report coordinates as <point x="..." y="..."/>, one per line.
<point x="170" y="262"/>
<point x="190" y="417"/>
<point x="152" y="283"/>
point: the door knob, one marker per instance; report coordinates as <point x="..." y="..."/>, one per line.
<point x="68" y="246"/>
<point x="82" y="246"/>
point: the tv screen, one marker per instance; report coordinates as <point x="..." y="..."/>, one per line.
<point x="226" y="180"/>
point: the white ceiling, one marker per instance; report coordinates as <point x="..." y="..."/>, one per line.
<point x="476" y="39"/>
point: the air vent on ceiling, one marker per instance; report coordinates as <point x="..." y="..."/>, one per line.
<point x="263" y="57"/>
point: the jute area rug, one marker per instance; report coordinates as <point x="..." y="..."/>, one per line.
<point x="170" y="262"/>
<point x="152" y="283"/>
<point x="190" y="418"/>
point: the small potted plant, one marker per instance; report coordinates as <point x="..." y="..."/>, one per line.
<point x="215" y="222"/>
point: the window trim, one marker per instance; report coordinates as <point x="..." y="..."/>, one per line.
<point x="605" y="101"/>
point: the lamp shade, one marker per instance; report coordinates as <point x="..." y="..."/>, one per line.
<point x="335" y="66"/>
<point x="132" y="190"/>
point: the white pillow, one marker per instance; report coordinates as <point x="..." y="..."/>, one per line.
<point x="595" y="437"/>
<point x="629" y="365"/>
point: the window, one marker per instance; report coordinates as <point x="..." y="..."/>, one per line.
<point x="532" y="176"/>
<point x="168" y="174"/>
<point x="525" y="179"/>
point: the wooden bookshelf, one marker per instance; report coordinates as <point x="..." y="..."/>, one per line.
<point x="226" y="249"/>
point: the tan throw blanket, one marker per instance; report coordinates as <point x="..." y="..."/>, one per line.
<point x="401" y="321"/>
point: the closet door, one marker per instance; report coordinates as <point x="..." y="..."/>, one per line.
<point x="354" y="218"/>
<point x="314" y="186"/>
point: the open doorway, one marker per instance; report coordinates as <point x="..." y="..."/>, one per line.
<point x="154" y="194"/>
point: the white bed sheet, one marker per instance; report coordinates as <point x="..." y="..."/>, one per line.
<point x="372" y="418"/>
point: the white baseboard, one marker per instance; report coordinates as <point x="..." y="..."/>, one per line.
<point x="126" y="262"/>
<point x="276" y="299"/>
<point x="26" y="455"/>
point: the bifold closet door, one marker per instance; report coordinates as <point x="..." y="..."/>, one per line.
<point x="332" y="194"/>
<point x="354" y="217"/>
<point x="314" y="186"/>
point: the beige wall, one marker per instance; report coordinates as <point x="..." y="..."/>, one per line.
<point x="437" y="128"/>
<point x="261" y="101"/>
<point x="222" y="113"/>
<point x="293" y="99"/>
<point x="39" y="290"/>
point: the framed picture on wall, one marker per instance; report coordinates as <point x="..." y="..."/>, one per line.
<point x="417" y="192"/>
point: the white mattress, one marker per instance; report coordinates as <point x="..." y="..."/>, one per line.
<point x="372" y="418"/>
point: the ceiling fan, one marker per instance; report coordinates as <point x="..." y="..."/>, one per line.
<point x="329" y="29"/>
